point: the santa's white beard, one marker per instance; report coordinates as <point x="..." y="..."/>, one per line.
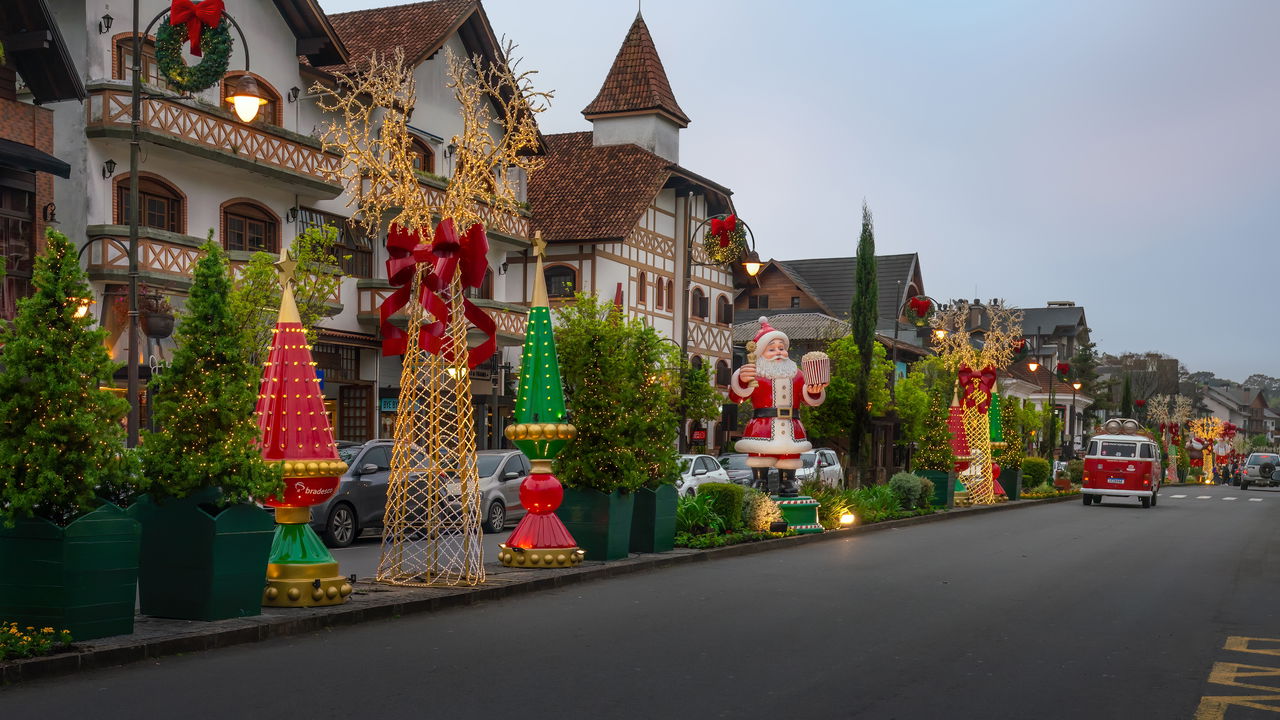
<point x="778" y="368"/>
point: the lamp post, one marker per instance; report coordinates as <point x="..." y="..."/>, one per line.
<point x="1075" y="388"/>
<point x="902" y="309"/>
<point x="239" y="99"/>
<point x="750" y="262"/>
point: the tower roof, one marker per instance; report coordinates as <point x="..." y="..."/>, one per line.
<point x="637" y="82"/>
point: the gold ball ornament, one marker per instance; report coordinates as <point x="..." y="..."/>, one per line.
<point x="344" y="590"/>
<point x="294" y="594"/>
<point x="273" y="593"/>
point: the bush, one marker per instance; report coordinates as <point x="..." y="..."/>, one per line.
<point x="726" y="501"/>
<point x="1035" y="471"/>
<point x="759" y="510"/>
<point x="874" y="503"/>
<point x="926" y="493"/>
<point x="695" y="516"/>
<point x="702" y="542"/>
<point x="1075" y="471"/>
<point x="17" y="642"/>
<point x="832" y="502"/>
<point x="908" y="487"/>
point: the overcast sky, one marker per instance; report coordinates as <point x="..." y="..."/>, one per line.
<point x="1123" y="154"/>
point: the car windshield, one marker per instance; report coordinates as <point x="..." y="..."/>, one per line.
<point x="348" y="454"/>
<point x="808" y="459"/>
<point x="734" y="462"/>
<point x="487" y="465"/>
<point x="1119" y="449"/>
<point x="1259" y="458"/>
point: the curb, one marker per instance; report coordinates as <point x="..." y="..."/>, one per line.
<point x="157" y="637"/>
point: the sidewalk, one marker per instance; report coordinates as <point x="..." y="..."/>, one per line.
<point x="157" y="637"/>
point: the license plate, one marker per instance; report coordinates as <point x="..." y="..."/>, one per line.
<point x="1116" y="481"/>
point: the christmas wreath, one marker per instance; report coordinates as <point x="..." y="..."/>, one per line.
<point x="215" y="51"/>
<point x="727" y="240"/>
<point x="921" y="308"/>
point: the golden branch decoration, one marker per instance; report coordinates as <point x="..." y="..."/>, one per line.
<point x="999" y="342"/>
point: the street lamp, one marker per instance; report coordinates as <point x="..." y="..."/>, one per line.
<point x="1075" y="388"/>
<point x="1032" y="365"/>
<point x="750" y="262"/>
<point x="902" y="309"/>
<point x="135" y="144"/>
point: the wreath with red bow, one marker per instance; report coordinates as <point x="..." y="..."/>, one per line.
<point x="208" y="34"/>
<point x="726" y="240"/>
<point x="921" y="309"/>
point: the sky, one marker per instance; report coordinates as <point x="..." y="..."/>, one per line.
<point x="1123" y="154"/>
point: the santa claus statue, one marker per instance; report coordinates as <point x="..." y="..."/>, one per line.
<point x="774" y="436"/>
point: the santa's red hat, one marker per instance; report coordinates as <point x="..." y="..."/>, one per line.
<point x="768" y="334"/>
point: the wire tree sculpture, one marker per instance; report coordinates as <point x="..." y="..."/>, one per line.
<point x="432" y="531"/>
<point x="977" y="355"/>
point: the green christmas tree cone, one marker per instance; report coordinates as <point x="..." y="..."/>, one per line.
<point x="541" y="540"/>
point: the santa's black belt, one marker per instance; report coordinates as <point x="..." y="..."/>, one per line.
<point x="773" y="412"/>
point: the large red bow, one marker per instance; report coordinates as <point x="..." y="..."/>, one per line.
<point x="722" y="229"/>
<point x="449" y="255"/>
<point x="973" y="382"/>
<point x="197" y="16"/>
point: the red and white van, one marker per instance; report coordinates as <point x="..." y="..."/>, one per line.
<point x="1121" y="463"/>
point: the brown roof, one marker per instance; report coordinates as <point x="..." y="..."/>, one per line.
<point x="419" y="28"/>
<point x="637" y="81"/>
<point x="1042" y="378"/>
<point x="587" y="193"/>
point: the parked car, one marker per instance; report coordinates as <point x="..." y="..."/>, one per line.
<point x="360" y="502"/>
<point x="696" y="470"/>
<point x="1260" y="469"/>
<point x="821" y="464"/>
<point x="739" y="472"/>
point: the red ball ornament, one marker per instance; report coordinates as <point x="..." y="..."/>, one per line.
<point x="541" y="493"/>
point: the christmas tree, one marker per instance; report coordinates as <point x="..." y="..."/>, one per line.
<point x="61" y="434"/>
<point x="204" y="401"/>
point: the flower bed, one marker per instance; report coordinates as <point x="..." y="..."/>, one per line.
<point x="715" y="540"/>
<point x="1047" y="491"/>
<point x="17" y="642"/>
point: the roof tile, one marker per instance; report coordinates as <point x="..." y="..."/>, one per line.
<point x="419" y="28"/>
<point x="637" y="81"/>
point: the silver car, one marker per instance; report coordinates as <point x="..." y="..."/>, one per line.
<point x="360" y="502"/>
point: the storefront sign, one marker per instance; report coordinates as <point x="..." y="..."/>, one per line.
<point x="388" y="404"/>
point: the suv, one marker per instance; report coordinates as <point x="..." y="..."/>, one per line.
<point x="1260" y="469"/>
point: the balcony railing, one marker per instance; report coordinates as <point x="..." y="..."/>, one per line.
<point x="213" y="134"/>
<point x="510" y="319"/>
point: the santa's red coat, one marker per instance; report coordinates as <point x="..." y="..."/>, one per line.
<point x="774" y="435"/>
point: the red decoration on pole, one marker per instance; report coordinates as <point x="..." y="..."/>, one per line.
<point x="974" y="381"/>
<point x="196" y="16"/>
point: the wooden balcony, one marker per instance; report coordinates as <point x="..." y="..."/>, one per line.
<point x="211" y="133"/>
<point x="510" y="319"/>
<point x="510" y="226"/>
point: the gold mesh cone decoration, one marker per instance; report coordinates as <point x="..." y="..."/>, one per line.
<point x="976" y="366"/>
<point x="432" y="531"/>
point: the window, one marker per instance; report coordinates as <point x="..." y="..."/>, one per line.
<point x="270" y="112"/>
<point x="485" y="291"/>
<point x="671" y="296"/>
<point x="696" y="362"/>
<point x="355" y="412"/>
<point x="352" y="247"/>
<point x="562" y="281"/>
<point x="642" y="288"/>
<point x="1119" y="449"/>
<point x="698" y="303"/>
<point x="758" y="301"/>
<point x="424" y="160"/>
<point x="659" y="293"/>
<point x="724" y="310"/>
<point x="159" y="204"/>
<point x="795" y="302"/>
<point x="124" y="61"/>
<point x="706" y="464"/>
<point x="1147" y="451"/>
<point x="249" y="226"/>
<point x="17" y="239"/>
<point x="723" y="374"/>
<point x="377" y="455"/>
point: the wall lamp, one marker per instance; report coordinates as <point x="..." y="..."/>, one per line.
<point x="292" y="214"/>
<point x="294" y="92"/>
<point x="104" y="25"/>
<point x="108" y="168"/>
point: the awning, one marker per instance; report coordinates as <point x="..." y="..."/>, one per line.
<point x="24" y="157"/>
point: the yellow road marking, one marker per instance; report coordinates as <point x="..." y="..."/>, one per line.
<point x="1232" y="673"/>
<point x="1246" y="644"/>
<point x="1215" y="707"/>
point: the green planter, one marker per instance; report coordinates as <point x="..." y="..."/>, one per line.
<point x="600" y="522"/>
<point x="81" y="578"/>
<point x="653" y="520"/>
<point x="1012" y="485"/>
<point x="944" y="488"/>
<point x="195" y="565"/>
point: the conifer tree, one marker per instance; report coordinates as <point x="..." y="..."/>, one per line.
<point x="61" y="435"/>
<point x="862" y="320"/>
<point x="204" y="400"/>
<point x="1126" y="398"/>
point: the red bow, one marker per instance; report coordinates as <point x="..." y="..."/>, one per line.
<point x="723" y="229"/>
<point x="197" y="16"/>
<point x="449" y="254"/>
<point x="973" y="382"/>
<point x="920" y="306"/>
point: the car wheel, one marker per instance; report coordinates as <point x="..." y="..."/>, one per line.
<point x="496" y="519"/>
<point x="341" y="528"/>
<point x="1154" y="497"/>
<point x="1146" y="502"/>
<point x="1088" y="499"/>
<point x="1097" y="499"/>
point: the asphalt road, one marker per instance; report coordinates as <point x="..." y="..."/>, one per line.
<point x="1052" y="611"/>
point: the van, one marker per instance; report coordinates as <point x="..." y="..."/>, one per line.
<point x="1121" y="463"/>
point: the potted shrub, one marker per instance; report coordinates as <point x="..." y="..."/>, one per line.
<point x="204" y="544"/>
<point x="613" y="384"/>
<point x="157" y="315"/>
<point x="68" y="554"/>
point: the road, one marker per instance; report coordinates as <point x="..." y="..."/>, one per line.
<point x="361" y="557"/>
<point x="1052" y="611"/>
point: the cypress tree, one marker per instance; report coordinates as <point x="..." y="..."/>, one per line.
<point x="862" y="321"/>
<point x="62" y="436"/>
<point x="204" y="402"/>
<point x="1126" y="398"/>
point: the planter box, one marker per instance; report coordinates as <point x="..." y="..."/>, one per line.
<point x="1013" y="485"/>
<point x="600" y="522"/>
<point x="653" y="521"/>
<point x="944" y="487"/>
<point x="81" y="578"/>
<point x="195" y="565"/>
